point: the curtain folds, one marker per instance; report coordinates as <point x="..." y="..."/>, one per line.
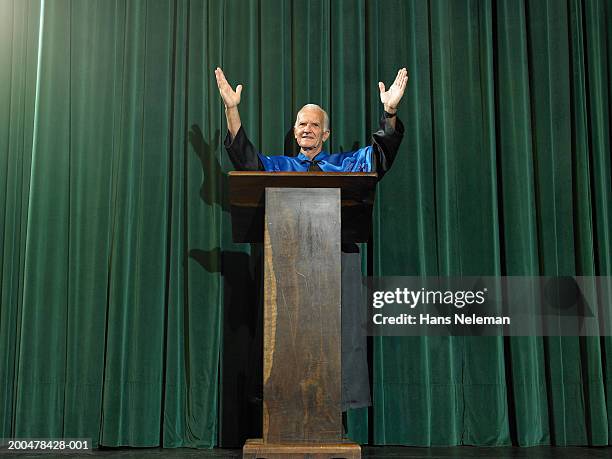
<point x="129" y="316"/>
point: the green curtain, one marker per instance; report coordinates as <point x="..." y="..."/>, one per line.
<point x="127" y="313"/>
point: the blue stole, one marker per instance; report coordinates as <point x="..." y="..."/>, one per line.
<point x="353" y="161"/>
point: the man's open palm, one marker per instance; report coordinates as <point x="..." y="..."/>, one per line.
<point x="230" y="97"/>
<point x="391" y="97"/>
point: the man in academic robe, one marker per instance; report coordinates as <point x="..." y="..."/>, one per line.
<point x="311" y="130"/>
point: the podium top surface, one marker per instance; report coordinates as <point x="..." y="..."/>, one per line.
<point x="248" y="188"/>
<point x="248" y="192"/>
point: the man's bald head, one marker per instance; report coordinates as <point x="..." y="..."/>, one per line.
<point x="311" y="129"/>
<point x="314" y="107"/>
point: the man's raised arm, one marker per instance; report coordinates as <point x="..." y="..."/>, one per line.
<point x="387" y="139"/>
<point x="241" y="151"/>
<point x="231" y="99"/>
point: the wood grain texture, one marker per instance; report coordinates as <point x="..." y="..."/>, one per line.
<point x="247" y="196"/>
<point x="302" y="379"/>
<point x="257" y="449"/>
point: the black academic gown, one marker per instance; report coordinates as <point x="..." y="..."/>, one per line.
<point x="355" y="378"/>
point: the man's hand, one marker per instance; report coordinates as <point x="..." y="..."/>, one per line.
<point x="230" y="97"/>
<point x="392" y="97"/>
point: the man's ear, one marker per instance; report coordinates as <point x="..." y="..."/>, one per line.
<point x="326" y="135"/>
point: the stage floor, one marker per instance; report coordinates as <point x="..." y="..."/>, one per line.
<point x="396" y="452"/>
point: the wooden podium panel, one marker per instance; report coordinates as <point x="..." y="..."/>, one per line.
<point x="247" y="195"/>
<point x="257" y="449"/>
<point x="302" y="373"/>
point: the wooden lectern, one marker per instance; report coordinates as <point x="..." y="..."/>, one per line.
<point x="301" y="217"/>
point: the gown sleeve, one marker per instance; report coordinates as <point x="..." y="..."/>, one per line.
<point x="385" y="143"/>
<point x="242" y="153"/>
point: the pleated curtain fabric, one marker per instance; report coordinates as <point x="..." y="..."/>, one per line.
<point x="129" y="316"/>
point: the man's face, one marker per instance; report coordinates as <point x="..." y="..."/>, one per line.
<point x="308" y="130"/>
